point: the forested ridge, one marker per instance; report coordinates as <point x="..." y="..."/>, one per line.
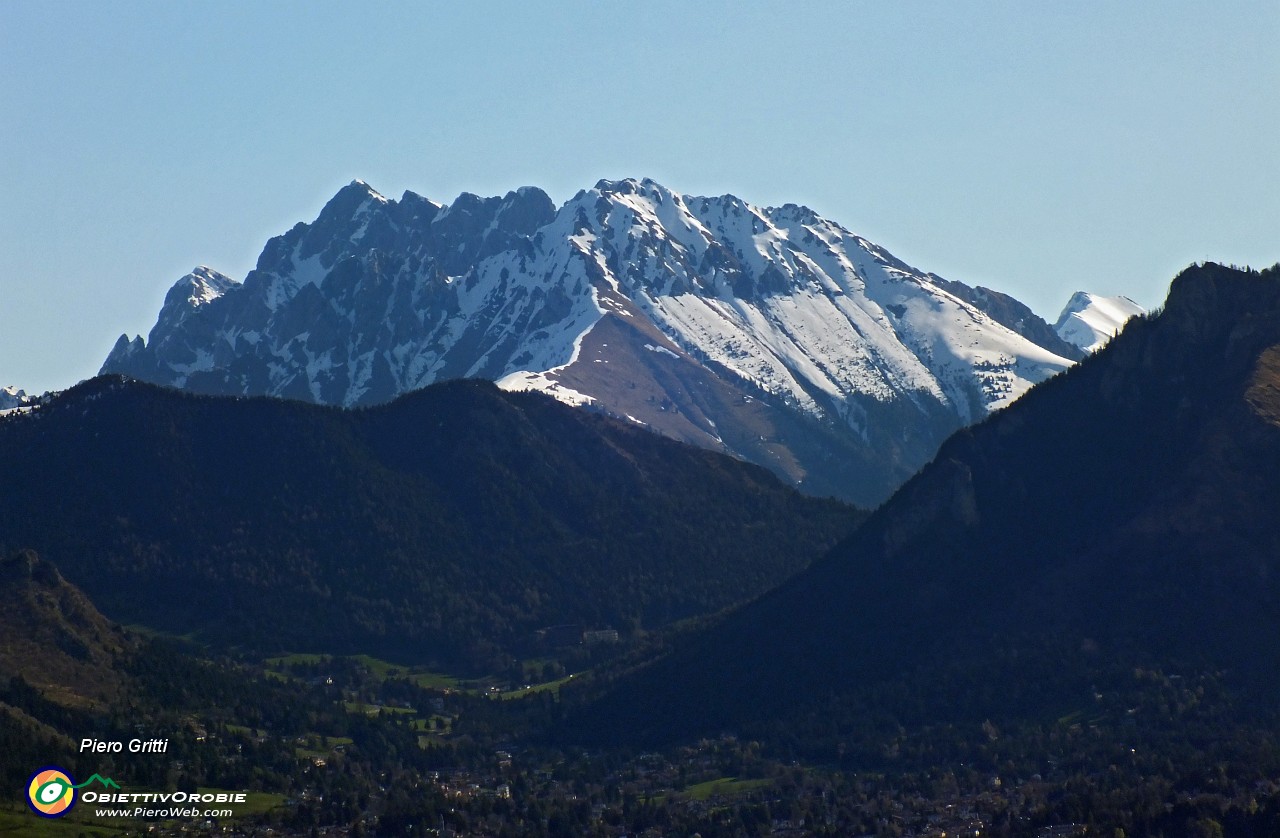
<point x="448" y="526"/>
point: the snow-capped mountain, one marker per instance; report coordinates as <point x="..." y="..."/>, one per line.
<point x="771" y="333"/>
<point x="1090" y="320"/>
<point x="11" y="397"/>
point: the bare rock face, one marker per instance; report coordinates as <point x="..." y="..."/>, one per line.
<point x="769" y="333"/>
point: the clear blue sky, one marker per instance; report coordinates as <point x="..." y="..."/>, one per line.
<point x="1038" y="148"/>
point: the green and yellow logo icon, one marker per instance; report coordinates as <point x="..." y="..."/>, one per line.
<point x="50" y="792"/>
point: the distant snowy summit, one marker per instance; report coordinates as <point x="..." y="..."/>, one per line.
<point x="770" y="333"/>
<point x="11" y="397"/>
<point x="1090" y="320"/>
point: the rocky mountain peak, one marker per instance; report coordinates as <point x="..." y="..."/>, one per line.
<point x="710" y="320"/>
<point x="1089" y="320"/>
<point x="200" y="287"/>
<point x="11" y="397"/>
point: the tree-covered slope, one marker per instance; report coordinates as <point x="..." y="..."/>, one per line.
<point x="447" y="526"/>
<point x="1120" y="515"/>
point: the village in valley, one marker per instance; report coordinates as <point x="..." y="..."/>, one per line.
<point x="399" y="751"/>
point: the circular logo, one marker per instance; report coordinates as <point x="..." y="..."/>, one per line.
<point x="50" y="792"/>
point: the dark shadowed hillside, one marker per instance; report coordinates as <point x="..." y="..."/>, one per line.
<point x="448" y="526"/>
<point x="53" y="637"/>
<point x="1121" y="515"/>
